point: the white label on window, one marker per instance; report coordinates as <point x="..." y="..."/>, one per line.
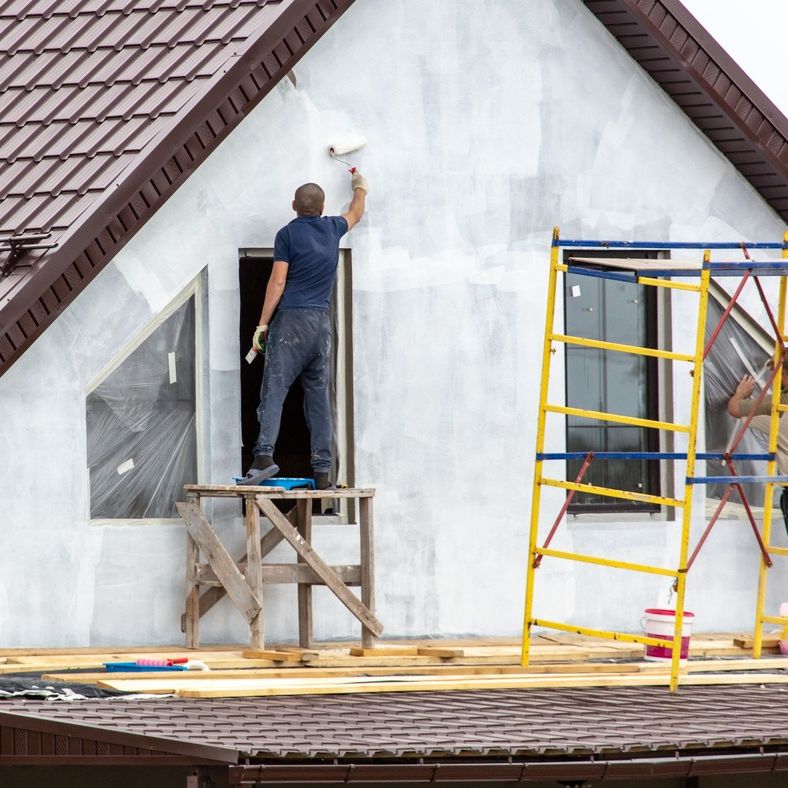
<point x="575" y="291"/>
<point x="125" y="467"/>
<point x="171" y="362"/>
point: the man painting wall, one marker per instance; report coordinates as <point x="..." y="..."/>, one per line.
<point x="294" y="329"/>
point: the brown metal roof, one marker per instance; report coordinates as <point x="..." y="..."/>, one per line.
<point x="106" y="107"/>
<point x="722" y="101"/>
<point x="536" y="726"/>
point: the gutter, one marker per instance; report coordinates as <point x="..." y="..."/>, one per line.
<point x="510" y="770"/>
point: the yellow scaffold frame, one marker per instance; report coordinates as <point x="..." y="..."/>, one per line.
<point x="661" y="279"/>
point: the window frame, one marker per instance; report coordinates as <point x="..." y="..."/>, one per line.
<point x="193" y="289"/>
<point x="658" y="407"/>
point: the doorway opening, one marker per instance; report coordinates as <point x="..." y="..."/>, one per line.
<point x="292" y="453"/>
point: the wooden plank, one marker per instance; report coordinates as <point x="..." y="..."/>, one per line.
<point x="338" y="588"/>
<point x="273" y="574"/>
<point x="384" y="651"/>
<point x="364" y="684"/>
<point x="305" y="625"/>
<point x="276" y="493"/>
<point x="367" y="561"/>
<point x="291" y="672"/>
<point x="720" y="665"/>
<point x="218" y="557"/>
<point x="443" y="653"/>
<point x="254" y="572"/>
<point x="747" y="641"/>
<point x="277" y="656"/>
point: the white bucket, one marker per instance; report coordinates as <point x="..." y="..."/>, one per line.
<point x="660" y="623"/>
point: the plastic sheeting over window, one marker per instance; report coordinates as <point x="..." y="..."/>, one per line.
<point x="740" y="349"/>
<point x="141" y="425"/>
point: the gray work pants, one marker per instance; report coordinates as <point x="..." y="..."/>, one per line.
<point x="299" y="343"/>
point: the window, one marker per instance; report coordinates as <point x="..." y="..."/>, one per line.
<point x="293" y="447"/>
<point x="141" y="416"/>
<point x="612" y="382"/>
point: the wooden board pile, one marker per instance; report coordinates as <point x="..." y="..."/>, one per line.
<point x="556" y="661"/>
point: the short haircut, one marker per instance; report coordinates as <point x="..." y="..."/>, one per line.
<point x="309" y="200"/>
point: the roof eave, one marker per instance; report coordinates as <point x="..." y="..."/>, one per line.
<point x="111" y="223"/>
<point x="506" y="769"/>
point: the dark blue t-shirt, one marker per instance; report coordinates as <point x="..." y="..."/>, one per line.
<point x="310" y="246"/>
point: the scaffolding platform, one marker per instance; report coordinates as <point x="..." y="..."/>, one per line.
<point x="661" y="273"/>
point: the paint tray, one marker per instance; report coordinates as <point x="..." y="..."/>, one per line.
<point x="290" y="483"/>
<point x="285" y="482"/>
<point x="133" y="667"/>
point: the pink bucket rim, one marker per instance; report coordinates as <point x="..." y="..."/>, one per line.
<point x="658" y="611"/>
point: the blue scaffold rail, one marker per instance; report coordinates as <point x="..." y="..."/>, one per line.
<point x="599" y="273"/>
<point x="736" y="479"/>
<point x="596" y="244"/>
<point x="647" y="455"/>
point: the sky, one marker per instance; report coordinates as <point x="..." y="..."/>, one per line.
<point x="751" y="32"/>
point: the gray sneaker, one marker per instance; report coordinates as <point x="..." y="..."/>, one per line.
<point x="262" y="468"/>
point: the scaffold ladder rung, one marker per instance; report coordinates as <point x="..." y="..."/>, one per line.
<point x="620" y="348"/>
<point x="775" y="620"/>
<point x="611" y="492"/>
<point x="611" y="562"/>
<point x="669" y="284"/>
<point x="625" y="637"/>
<point x="617" y="418"/>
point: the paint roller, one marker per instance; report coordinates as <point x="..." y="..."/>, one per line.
<point x="345" y="145"/>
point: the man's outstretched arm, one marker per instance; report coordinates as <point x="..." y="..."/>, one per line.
<point x="273" y="294"/>
<point x="356" y="210"/>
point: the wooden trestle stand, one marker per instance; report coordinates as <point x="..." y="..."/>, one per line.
<point x="243" y="580"/>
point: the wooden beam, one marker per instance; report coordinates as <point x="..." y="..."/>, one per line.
<point x="305" y="627"/>
<point x="275" y="493"/>
<point x="367" y="561"/>
<point x="191" y="616"/>
<point x="312" y="559"/>
<point x="254" y="571"/>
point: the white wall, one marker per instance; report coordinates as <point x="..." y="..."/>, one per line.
<point x="486" y="127"/>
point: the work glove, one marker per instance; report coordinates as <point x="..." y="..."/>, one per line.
<point x="358" y="181"/>
<point x="258" y="340"/>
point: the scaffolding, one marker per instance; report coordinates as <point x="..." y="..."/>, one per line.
<point x="662" y="274"/>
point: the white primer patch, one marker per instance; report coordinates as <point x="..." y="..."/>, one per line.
<point x="575" y="291"/>
<point x="173" y="371"/>
<point x="125" y="467"/>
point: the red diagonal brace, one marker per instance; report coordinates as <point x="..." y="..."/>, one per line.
<point x="725" y="314"/>
<point x="581" y="473"/>
<point x="724" y="500"/>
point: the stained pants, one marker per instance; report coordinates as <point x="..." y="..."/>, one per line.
<point x="299" y="343"/>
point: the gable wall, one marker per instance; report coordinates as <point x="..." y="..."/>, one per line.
<point x="486" y="127"/>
